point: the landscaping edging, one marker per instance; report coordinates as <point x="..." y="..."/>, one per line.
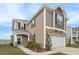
<point x="26" y="50"/>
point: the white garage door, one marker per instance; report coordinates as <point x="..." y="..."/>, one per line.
<point x="57" y="41"/>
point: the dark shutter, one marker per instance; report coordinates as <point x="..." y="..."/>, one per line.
<point x="19" y="26"/>
<point x="24" y="26"/>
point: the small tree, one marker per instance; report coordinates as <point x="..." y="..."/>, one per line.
<point x="48" y="42"/>
<point x="69" y="41"/>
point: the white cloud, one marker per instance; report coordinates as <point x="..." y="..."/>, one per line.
<point x="73" y="17"/>
<point x="14" y="11"/>
<point x="8" y="12"/>
<point x="32" y="10"/>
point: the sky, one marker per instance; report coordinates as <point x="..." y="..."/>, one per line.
<point x="10" y="11"/>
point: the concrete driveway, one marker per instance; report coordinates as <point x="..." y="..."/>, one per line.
<point x="66" y="50"/>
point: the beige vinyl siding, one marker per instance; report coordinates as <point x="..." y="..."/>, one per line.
<point x="24" y="40"/>
<point x="40" y="28"/>
<point x="31" y="29"/>
<point x="49" y="18"/>
<point x="15" y="24"/>
<point x="65" y="21"/>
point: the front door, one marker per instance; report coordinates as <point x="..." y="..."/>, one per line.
<point x="19" y="41"/>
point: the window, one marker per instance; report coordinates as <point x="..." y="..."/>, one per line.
<point x="33" y="23"/>
<point x="19" y="26"/>
<point x="32" y="37"/>
<point x="24" y="26"/>
<point x="59" y="19"/>
<point x="74" y="31"/>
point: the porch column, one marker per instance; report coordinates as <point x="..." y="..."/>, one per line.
<point x="44" y="44"/>
<point x="28" y="37"/>
<point x="54" y="19"/>
<point x="71" y="37"/>
<point x="76" y="38"/>
<point x="15" y="40"/>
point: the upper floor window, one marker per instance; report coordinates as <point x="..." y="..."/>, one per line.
<point x="33" y="23"/>
<point x="74" y="31"/>
<point x="24" y="26"/>
<point x="32" y="37"/>
<point x="19" y="26"/>
<point x="59" y="19"/>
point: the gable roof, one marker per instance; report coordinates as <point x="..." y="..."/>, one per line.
<point x="47" y="7"/>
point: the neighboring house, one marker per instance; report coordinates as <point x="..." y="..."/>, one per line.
<point x="47" y="21"/>
<point x="20" y="33"/>
<point x="73" y="34"/>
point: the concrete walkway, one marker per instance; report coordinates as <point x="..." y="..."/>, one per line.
<point x="66" y="50"/>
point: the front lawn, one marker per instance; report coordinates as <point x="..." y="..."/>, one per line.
<point x="58" y="53"/>
<point x="72" y="45"/>
<point x="6" y="49"/>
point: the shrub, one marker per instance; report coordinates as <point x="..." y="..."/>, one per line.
<point x="11" y="44"/>
<point x="48" y="42"/>
<point x="33" y="45"/>
<point x="48" y="47"/>
<point x="69" y="42"/>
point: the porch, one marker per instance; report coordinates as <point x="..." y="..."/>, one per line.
<point x="75" y="40"/>
<point x="20" y="39"/>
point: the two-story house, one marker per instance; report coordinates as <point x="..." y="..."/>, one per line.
<point x="73" y="34"/>
<point x="48" y="24"/>
<point x="20" y="32"/>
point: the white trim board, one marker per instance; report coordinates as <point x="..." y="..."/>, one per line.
<point x="55" y="29"/>
<point x="44" y="27"/>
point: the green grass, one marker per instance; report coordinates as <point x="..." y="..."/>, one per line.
<point x="58" y="53"/>
<point x="6" y="49"/>
<point x="72" y="45"/>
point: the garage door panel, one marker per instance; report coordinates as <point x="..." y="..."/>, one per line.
<point x="57" y="41"/>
